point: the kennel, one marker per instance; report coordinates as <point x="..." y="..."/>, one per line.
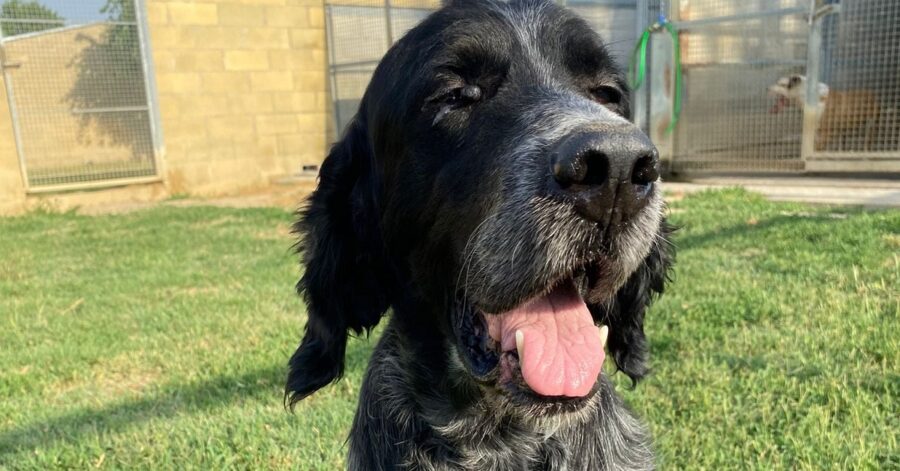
<point x="731" y="53"/>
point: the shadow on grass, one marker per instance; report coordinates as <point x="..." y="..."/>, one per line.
<point x="685" y="241"/>
<point x="262" y="385"/>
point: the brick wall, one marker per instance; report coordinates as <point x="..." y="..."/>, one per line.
<point x="241" y="88"/>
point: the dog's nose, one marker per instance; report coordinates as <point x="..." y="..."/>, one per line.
<point x="606" y="172"/>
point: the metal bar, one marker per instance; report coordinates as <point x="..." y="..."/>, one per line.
<point x="36" y="21"/>
<point x="855" y="165"/>
<point x="811" y="105"/>
<point x="692" y="24"/>
<point x="329" y="31"/>
<point x="93" y="184"/>
<point x="387" y="21"/>
<point x="355" y="64"/>
<point x="14" y="115"/>
<point x="858" y="156"/>
<point x="762" y="63"/>
<point x="380" y="6"/>
<point x="641" y="97"/>
<point x="604" y="3"/>
<point x="119" y="109"/>
<point x="153" y="115"/>
<point x="20" y="37"/>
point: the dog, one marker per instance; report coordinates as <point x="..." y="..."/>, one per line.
<point x="840" y="113"/>
<point x="493" y="195"/>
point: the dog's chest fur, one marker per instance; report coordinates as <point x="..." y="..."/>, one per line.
<point x="399" y="423"/>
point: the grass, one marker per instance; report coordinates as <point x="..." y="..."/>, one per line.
<point x="159" y="339"/>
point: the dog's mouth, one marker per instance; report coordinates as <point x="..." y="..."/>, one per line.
<point x="546" y="348"/>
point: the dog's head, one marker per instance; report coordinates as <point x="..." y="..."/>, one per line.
<point x="790" y="91"/>
<point x="492" y="190"/>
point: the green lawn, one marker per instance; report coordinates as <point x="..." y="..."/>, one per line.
<point x="159" y="339"/>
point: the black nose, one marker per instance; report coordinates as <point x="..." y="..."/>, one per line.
<point x="608" y="174"/>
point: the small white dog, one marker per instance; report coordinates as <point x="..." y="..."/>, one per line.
<point x="840" y="113"/>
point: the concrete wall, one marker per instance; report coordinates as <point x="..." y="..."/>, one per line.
<point x="242" y="97"/>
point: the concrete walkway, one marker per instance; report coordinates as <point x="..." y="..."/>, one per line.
<point x="841" y="191"/>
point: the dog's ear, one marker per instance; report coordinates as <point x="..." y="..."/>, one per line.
<point x="794" y="81"/>
<point x="342" y="284"/>
<point x="625" y="313"/>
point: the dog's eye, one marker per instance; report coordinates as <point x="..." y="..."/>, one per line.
<point x="463" y="96"/>
<point x="606" y="95"/>
<point x="454" y="99"/>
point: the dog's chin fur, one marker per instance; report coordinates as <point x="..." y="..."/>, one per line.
<point x="421" y="209"/>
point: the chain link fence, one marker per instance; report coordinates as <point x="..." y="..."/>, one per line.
<point x="75" y="78"/>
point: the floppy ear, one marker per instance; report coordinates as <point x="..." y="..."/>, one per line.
<point x="625" y="313"/>
<point x="342" y="283"/>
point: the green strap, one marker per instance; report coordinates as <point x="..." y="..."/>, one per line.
<point x="638" y="68"/>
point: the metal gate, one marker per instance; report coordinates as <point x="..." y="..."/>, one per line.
<point x="360" y="32"/>
<point x="79" y="86"/>
<point x="788" y="85"/>
<point x="845" y="55"/>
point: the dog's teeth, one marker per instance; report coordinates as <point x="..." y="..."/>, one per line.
<point x="520" y="344"/>
<point x="604" y="333"/>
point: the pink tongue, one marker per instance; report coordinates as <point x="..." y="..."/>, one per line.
<point x="563" y="352"/>
<point x="779" y="105"/>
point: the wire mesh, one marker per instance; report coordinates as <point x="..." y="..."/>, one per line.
<point x="360" y="32"/>
<point x="861" y="68"/>
<point x="74" y="73"/>
<point x="732" y="52"/>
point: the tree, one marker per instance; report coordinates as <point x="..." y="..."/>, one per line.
<point x="23" y="10"/>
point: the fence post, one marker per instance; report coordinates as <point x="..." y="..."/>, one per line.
<point x="640" y="97"/>
<point x="811" y="109"/>
<point x="389" y="29"/>
<point x="14" y="114"/>
<point x="156" y="134"/>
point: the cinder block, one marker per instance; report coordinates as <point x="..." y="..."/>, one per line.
<point x="276" y="124"/>
<point x="225" y="82"/>
<point x="177" y="82"/>
<point x="271" y="81"/>
<point x="206" y="37"/>
<point x="313" y="122"/>
<point x="267" y="145"/>
<point x="310" y="81"/>
<point x="164" y="60"/>
<point x="190" y="13"/>
<point x="224" y="127"/>
<point x="308" y="38"/>
<point x="292" y="144"/>
<point x="251" y="103"/>
<point x="198" y="60"/>
<point x="264" y="38"/>
<point x="246" y="60"/>
<point x="316" y="17"/>
<point x="232" y="14"/>
<point x="205" y="105"/>
<point x="261" y="2"/>
<point x="307" y="3"/>
<point x="287" y="17"/>
<point x="157" y="13"/>
<point x="163" y="37"/>
<point x="295" y="102"/>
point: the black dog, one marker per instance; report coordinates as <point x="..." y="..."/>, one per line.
<point x="491" y="192"/>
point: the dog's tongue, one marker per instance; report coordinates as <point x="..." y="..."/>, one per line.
<point x="561" y="352"/>
<point x="779" y="105"/>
